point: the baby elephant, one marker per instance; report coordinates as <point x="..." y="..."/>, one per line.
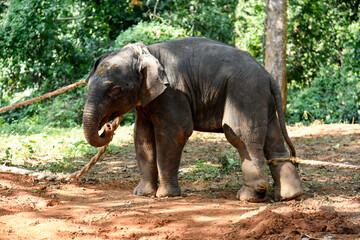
<point x="192" y="84"/>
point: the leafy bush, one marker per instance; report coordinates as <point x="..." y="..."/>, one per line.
<point x="47" y="44"/>
<point x="207" y="18"/>
<point x="249" y="27"/>
<point x="34" y="47"/>
<point x="332" y="97"/>
<point x="333" y="94"/>
<point x="42" y="52"/>
<point x="149" y="33"/>
<point x="317" y="34"/>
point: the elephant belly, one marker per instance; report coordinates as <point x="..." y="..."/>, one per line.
<point x="208" y="124"/>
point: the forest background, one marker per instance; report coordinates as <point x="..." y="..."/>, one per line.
<point x="45" y="45"/>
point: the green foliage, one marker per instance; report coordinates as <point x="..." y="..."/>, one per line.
<point x="129" y="118"/>
<point x="57" y="145"/>
<point x="249" y="27"/>
<point x="114" y="14"/>
<point x="323" y="56"/>
<point x="318" y="34"/>
<point x="149" y="33"/>
<point x="47" y="44"/>
<point x="332" y="99"/>
<point x="333" y="94"/>
<point x="52" y="148"/>
<point x="34" y="49"/>
<point x="207" y="18"/>
<point x="229" y="163"/>
<point x="8" y="153"/>
<point x="3" y="7"/>
<point x="40" y="53"/>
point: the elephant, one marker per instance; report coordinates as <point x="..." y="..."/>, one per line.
<point x="183" y="85"/>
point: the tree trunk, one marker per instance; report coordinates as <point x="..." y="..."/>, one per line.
<point x="276" y="36"/>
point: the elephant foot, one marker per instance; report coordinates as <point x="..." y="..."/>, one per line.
<point x="168" y="190"/>
<point x="145" y="189"/>
<point x="250" y="194"/>
<point x="287" y="181"/>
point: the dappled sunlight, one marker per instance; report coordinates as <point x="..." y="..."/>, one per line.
<point x="323" y="129"/>
<point x="101" y="204"/>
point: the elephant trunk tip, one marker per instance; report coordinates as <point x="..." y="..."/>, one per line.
<point x="108" y="128"/>
<point x="93" y="138"/>
<point x="108" y="132"/>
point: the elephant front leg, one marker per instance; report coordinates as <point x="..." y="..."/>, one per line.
<point x="169" y="146"/>
<point x="168" y="161"/>
<point x="146" y="157"/>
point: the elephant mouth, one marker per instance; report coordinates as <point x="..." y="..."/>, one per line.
<point x="93" y="122"/>
<point x="107" y="119"/>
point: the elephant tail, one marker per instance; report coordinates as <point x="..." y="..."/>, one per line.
<point x="275" y="91"/>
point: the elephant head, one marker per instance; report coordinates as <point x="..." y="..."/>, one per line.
<point x="118" y="82"/>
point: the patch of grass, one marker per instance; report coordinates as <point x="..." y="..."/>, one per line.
<point x="51" y="148"/>
<point x="229" y="163"/>
<point x="64" y="165"/>
<point x="211" y="161"/>
<point x="203" y="170"/>
<point x="357" y="177"/>
<point x="224" y="170"/>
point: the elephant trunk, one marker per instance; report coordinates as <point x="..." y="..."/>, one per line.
<point x="91" y="124"/>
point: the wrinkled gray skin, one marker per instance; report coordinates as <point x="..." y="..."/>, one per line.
<point x="193" y="84"/>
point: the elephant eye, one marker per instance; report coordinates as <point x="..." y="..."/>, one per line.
<point x="115" y="91"/>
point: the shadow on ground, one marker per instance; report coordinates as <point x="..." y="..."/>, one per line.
<point x="101" y="205"/>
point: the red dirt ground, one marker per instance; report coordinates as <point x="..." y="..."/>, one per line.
<point x="106" y="209"/>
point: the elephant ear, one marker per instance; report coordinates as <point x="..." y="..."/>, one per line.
<point x="96" y="64"/>
<point x="153" y="78"/>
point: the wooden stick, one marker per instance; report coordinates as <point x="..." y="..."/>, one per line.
<point x="47" y="95"/>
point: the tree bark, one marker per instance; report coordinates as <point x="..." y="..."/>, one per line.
<point x="276" y="37"/>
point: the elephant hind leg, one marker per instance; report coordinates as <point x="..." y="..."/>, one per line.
<point x="250" y="148"/>
<point x="285" y="174"/>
